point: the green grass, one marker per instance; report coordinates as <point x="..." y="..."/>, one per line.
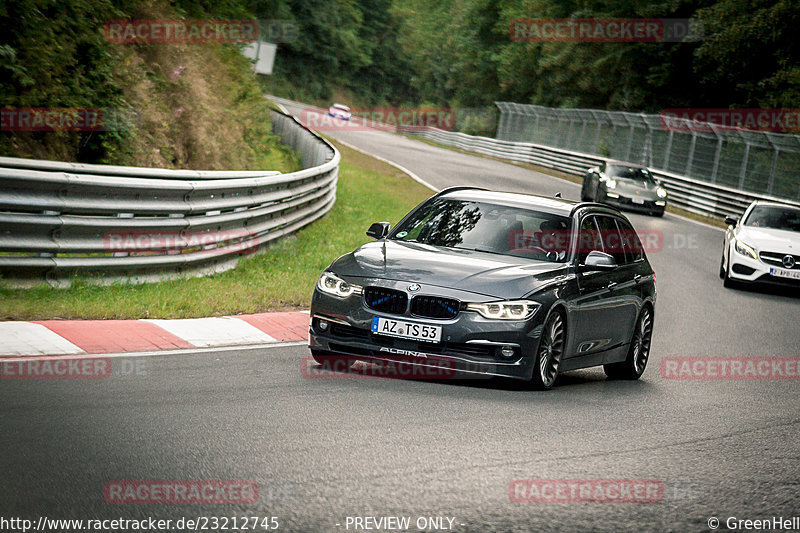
<point x="281" y="278"/>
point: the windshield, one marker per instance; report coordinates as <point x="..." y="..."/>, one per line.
<point x="775" y="217"/>
<point x="487" y="227"/>
<point x="627" y="172"/>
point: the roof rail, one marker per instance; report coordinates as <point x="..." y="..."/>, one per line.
<point x="458" y="188"/>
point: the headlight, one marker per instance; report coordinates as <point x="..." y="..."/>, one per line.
<point x="611" y="184"/>
<point x="508" y="310"/>
<point x="330" y="283"/>
<point x="745" y="249"/>
<point x="661" y="192"/>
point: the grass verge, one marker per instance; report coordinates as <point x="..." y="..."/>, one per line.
<point x="281" y="278"/>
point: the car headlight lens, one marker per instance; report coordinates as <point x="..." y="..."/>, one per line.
<point x="330" y="283"/>
<point x="661" y="192"/>
<point x="745" y="249"/>
<point x="507" y="310"/>
<point x="611" y="184"/>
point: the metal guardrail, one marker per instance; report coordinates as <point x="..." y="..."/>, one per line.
<point x="690" y="194"/>
<point x="110" y="223"/>
<point x="759" y="162"/>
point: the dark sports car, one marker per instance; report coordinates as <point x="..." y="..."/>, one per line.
<point x="492" y="284"/>
<point x="625" y="185"/>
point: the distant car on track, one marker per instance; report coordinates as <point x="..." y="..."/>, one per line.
<point x="340" y="111"/>
<point x="494" y="284"/>
<point x="763" y="247"/>
<point x="624" y="185"/>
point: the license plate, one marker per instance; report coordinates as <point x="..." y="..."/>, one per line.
<point x="406" y="330"/>
<point x="637" y="200"/>
<point x="780" y="273"/>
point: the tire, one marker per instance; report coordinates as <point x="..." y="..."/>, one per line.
<point x="584" y="196"/>
<point x="549" y="352"/>
<point x="332" y="361"/>
<point x="659" y="213"/>
<point x="722" y="266"/>
<point x="639" y="351"/>
<point x="727" y="282"/>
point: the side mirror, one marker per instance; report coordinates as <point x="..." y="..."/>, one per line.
<point x="596" y="260"/>
<point x="731" y="220"/>
<point x="379" y="230"/>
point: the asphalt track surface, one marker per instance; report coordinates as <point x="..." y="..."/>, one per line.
<point x="325" y="449"/>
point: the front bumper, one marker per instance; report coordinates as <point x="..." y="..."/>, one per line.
<point x="625" y="202"/>
<point x="745" y="268"/>
<point x="470" y="345"/>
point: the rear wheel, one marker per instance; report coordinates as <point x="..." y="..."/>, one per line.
<point x="639" y="351"/>
<point x="333" y="362"/>
<point x="551" y="348"/>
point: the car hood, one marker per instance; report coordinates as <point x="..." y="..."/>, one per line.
<point x="498" y="276"/>
<point x="633" y="187"/>
<point x="770" y="240"/>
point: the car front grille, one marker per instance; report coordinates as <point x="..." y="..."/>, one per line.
<point x="434" y="307"/>
<point x="386" y="300"/>
<point x="776" y="259"/>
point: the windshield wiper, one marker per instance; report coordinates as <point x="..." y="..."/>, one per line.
<point x="477" y="250"/>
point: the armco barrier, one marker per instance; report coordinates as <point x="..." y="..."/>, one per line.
<point x="690" y="194"/>
<point x="56" y="218"/>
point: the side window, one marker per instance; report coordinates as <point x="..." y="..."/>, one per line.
<point x="612" y="241"/>
<point x="588" y="238"/>
<point x="630" y="242"/>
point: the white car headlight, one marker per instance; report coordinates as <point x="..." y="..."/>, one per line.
<point x="611" y="184"/>
<point x="330" y="283"/>
<point x="506" y="310"/>
<point x="661" y="192"/>
<point x="745" y="249"/>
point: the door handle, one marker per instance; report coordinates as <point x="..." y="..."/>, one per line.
<point x="611" y="285"/>
<point x="637" y="278"/>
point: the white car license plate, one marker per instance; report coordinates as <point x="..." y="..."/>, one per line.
<point x="637" y="200"/>
<point x="407" y="330"/>
<point x="780" y="273"/>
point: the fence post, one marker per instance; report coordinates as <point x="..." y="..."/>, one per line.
<point x="743" y="170"/>
<point x="690" y="159"/>
<point x="773" y="168"/>
<point x="717" y="153"/>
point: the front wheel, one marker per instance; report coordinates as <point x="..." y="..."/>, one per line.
<point x="638" y="353"/>
<point x="727" y="282"/>
<point x="548" y="356"/>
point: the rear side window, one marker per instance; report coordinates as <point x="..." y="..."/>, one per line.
<point x="588" y="239"/>
<point x="631" y="244"/>
<point x="612" y="240"/>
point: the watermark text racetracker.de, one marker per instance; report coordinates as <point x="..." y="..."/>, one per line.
<point x="586" y="491"/>
<point x="396" y="364"/>
<point x="180" y="492"/>
<point x="44" y="119"/>
<point x="180" y="241"/>
<point x="70" y="367"/>
<point x="687" y="120"/>
<point x="161" y="31"/>
<point x="611" y="30"/>
<point x="725" y="368"/>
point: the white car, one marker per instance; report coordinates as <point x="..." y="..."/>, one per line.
<point x="340" y="111"/>
<point x="764" y="246"/>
